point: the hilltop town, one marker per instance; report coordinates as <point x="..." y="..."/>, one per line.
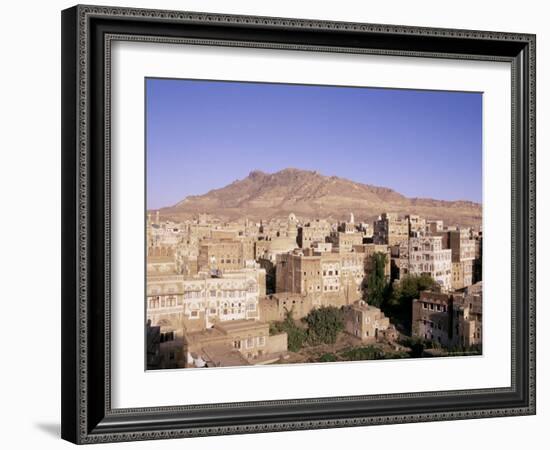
<point x="297" y="289"/>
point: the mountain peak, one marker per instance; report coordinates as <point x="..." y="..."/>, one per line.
<point x="311" y="195"/>
<point x="293" y="170"/>
<point x="256" y="174"/>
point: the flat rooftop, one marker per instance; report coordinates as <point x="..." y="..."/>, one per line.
<point x="222" y="355"/>
<point x="160" y="259"/>
<point x="221" y="330"/>
<point x="240" y="325"/>
<point x="364" y="307"/>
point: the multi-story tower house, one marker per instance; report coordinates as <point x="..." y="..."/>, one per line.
<point x="391" y="230"/>
<point x="299" y="272"/>
<point x="432" y="317"/>
<point x="346" y="240"/>
<point x="463" y="254"/>
<point x="329" y="278"/>
<point x="313" y="232"/>
<point x="417" y="225"/>
<point x="224" y="254"/>
<point x="452" y="319"/>
<point x="426" y="255"/>
<point x="434" y="226"/>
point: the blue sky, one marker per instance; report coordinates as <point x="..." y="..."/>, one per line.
<point x="203" y="135"/>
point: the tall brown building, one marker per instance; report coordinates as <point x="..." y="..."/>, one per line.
<point x="426" y="255"/>
<point x="432" y="317"/>
<point x="389" y="229"/>
<point x="463" y="254"/>
<point x="346" y="240"/>
<point x="313" y="232"/>
<point x="450" y="319"/>
<point x="417" y="225"/>
<point x="333" y="278"/>
<point x="298" y="273"/>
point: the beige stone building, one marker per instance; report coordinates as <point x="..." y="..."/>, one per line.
<point x="434" y="226"/>
<point x="280" y="228"/>
<point x="196" y="232"/>
<point x="262" y="249"/>
<point x="426" y="255"/>
<point x="235" y="343"/>
<point x="269" y="249"/>
<point x="220" y="254"/>
<point x="432" y="317"/>
<point x="468" y="314"/>
<point x="463" y="253"/>
<point x="186" y="258"/>
<point x="417" y="225"/>
<point x="366" y="229"/>
<point x="313" y="232"/>
<point x="226" y="233"/>
<point x="348" y="227"/>
<point x="159" y="265"/>
<point x="453" y="319"/>
<point x="366" y="322"/>
<point x="160" y="239"/>
<point x="345" y="240"/>
<point x="390" y="229"/>
<point x="200" y="302"/>
<point x="330" y="278"/>
<point x="457" y="274"/>
<point x="248" y="247"/>
<point x="275" y="307"/>
<point x="322" y="247"/>
<point x="353" y="268"/>
<point x="163" y="233"/>
<point x="299" y="272"/>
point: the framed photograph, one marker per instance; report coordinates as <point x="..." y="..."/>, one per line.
<point x="280" y="224"/>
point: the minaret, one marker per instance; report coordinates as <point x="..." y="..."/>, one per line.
<point x="351" y="218"/>
<point x="292" y="227"/>
<point x="157" y="218"/>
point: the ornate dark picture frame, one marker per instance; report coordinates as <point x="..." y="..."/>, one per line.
<point x="87" y="33"/>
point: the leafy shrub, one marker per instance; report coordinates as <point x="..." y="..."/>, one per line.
<point x="324" y="324"/>
<point x="296" y="335"/>
<point x="328" y="357"/>
<point x="363" y="353"/>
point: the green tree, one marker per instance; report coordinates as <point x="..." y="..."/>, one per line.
<point x="327" y="357"/>
<point x="402" y="295"/>
<point x="296" y="336"/>
<point x="410" y="287"/>
<point x="324" y="324"/>
<point x="363" y="353"/>
<point x="376" y="284"/>
<point x="416" y="346"/>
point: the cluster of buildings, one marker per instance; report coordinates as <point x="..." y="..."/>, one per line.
<point x="450" y="255"/>
<point x="214" y="287"/>
<point x="452" y="319"/>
